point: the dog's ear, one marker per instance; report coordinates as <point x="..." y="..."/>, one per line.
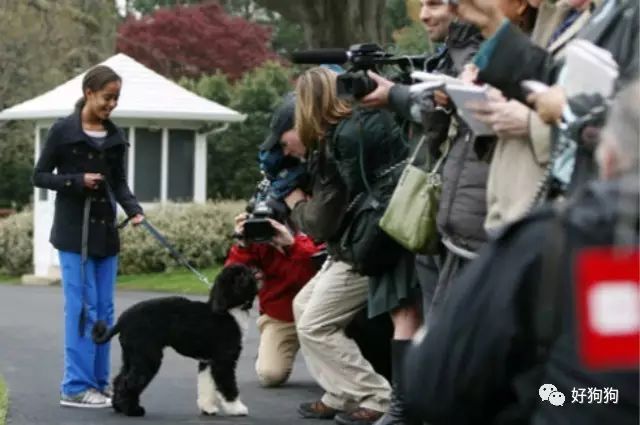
<point x="217" y="299"/>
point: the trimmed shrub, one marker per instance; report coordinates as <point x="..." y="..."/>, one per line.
<point x="16" y="243"/>
<point x="201" y="232"/>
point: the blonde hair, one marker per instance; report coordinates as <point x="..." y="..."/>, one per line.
<point x="318" y="105"/>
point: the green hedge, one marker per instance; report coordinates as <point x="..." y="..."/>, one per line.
<point x="16" y="243"/>
<point x="202" y="232"/>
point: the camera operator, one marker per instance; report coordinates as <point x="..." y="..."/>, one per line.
<point x="285" y="263"/>
<point x="342" y="143"/>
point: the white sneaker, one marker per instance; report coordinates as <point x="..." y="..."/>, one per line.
<point x="89" y="399"/>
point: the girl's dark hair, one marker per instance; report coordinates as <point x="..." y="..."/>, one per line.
<point x="95" y="79"/>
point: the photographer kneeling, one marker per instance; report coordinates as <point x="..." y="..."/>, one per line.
<point x="285" y="263"/>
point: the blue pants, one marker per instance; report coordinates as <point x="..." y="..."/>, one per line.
<point x="86" y="365"/>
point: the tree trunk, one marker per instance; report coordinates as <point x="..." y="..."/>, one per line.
<point x="334" y="23"/>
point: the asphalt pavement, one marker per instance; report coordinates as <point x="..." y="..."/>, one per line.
<point x="31" y="341"/>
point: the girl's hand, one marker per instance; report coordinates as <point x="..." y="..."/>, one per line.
<point x="137" y="219"/>
<point x="92" y="180"/>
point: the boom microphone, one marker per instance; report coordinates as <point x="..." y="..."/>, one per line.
<point x="321" y="56"/>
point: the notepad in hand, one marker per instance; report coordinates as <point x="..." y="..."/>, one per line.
<point x="588" y="69"/>
<point x="435" y="77"/>
<point x="461" y="95"/>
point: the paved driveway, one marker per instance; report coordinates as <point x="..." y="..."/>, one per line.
<point x="31" y="362"/>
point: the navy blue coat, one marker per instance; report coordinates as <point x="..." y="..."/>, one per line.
<point x="72" y="153"/>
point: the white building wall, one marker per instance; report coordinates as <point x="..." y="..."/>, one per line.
<point x="45" y="257"/>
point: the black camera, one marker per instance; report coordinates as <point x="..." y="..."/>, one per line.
<point x="257" y="228"/>
<point x="261" y="208"/>
<point x="355" y="83"/>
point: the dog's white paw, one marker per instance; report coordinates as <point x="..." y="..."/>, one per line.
<point x="207" y="408"/>
<point x="234" y="408"/>
<point x="207" y="394"/>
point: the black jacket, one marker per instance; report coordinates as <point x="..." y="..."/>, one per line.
<point x="72" y="153"/>
<point x="466" y="368"/>
<point x="335" y="169"/>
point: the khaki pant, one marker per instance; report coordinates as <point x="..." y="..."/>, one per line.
<point x="323" y="308"/>
<point x="277" y="350"/>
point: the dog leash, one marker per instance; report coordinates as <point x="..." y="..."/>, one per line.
<point x="174" y="253"/>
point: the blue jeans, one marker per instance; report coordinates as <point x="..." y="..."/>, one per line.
<point x="86" y="365"/>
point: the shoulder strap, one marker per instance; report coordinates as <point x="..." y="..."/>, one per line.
<point x="547" y="318"/>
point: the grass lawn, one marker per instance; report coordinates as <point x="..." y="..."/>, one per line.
<point x="12" y="280"/>
<point x="180" y="281"/>
<point x="4" y="401"/>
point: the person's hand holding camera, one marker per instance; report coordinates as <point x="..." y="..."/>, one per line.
<point x="238" y="229"/>
<point x="92" y="180"/>
<point x="379" y="98"/>
<point x="283" y="237"/>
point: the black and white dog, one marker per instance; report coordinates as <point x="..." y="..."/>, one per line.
<point x="210" y="332"/>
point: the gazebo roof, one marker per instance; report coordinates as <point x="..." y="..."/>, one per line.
<point x="145" y="95"/>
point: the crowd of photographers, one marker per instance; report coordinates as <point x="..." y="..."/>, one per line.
<point x="484" y="309"/>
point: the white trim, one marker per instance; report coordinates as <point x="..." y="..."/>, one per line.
<point x="131" y="159"/>
<point x="9" y="114"/>
<point x="200" y="168"/>
<point x="164" y="165"/>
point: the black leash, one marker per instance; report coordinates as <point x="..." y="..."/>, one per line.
<point x="174" y="253"/>
<point x="83" y="263"/>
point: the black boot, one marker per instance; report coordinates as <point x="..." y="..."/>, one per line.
<point x="396" y="414"/>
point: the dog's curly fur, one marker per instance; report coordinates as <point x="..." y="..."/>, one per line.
<point x="210" y="332"/>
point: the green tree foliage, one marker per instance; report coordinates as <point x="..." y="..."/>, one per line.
<point x="412" y="40"/>
<point x="42" y="44"/>
<point x="232" y="156"/>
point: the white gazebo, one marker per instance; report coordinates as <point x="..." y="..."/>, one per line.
<point x="167" y="128"/>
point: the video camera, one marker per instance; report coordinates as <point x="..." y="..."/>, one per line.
<point x="355" y="83"/>
<point x="260" y="208"/>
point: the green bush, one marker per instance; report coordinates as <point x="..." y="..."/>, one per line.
<point x="201" y="232"/>
<point x="16" y="243"/>
<point x="232" y="161"/>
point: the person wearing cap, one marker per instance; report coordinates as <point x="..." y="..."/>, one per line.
<point x="282" y="154"/>
<point x="288" y="261"/>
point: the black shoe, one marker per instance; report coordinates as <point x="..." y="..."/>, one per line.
<point x="397" y="414"/>
<point x="359" y="416"/>
<point x="317" y="410"/>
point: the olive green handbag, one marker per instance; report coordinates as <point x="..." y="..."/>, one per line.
<point x="410" y="217"/>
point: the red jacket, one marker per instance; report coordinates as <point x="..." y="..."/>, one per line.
<point x="284" y="274"/>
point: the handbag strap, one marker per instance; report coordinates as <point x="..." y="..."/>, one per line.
<point x="447" y="146"/>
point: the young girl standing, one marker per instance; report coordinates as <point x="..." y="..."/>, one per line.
<point x="87" y="151"/>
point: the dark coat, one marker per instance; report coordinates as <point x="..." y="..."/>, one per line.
<point x="466" y="368"/>
<point x="335" y="169"/>
<point x="72" y="153"/>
